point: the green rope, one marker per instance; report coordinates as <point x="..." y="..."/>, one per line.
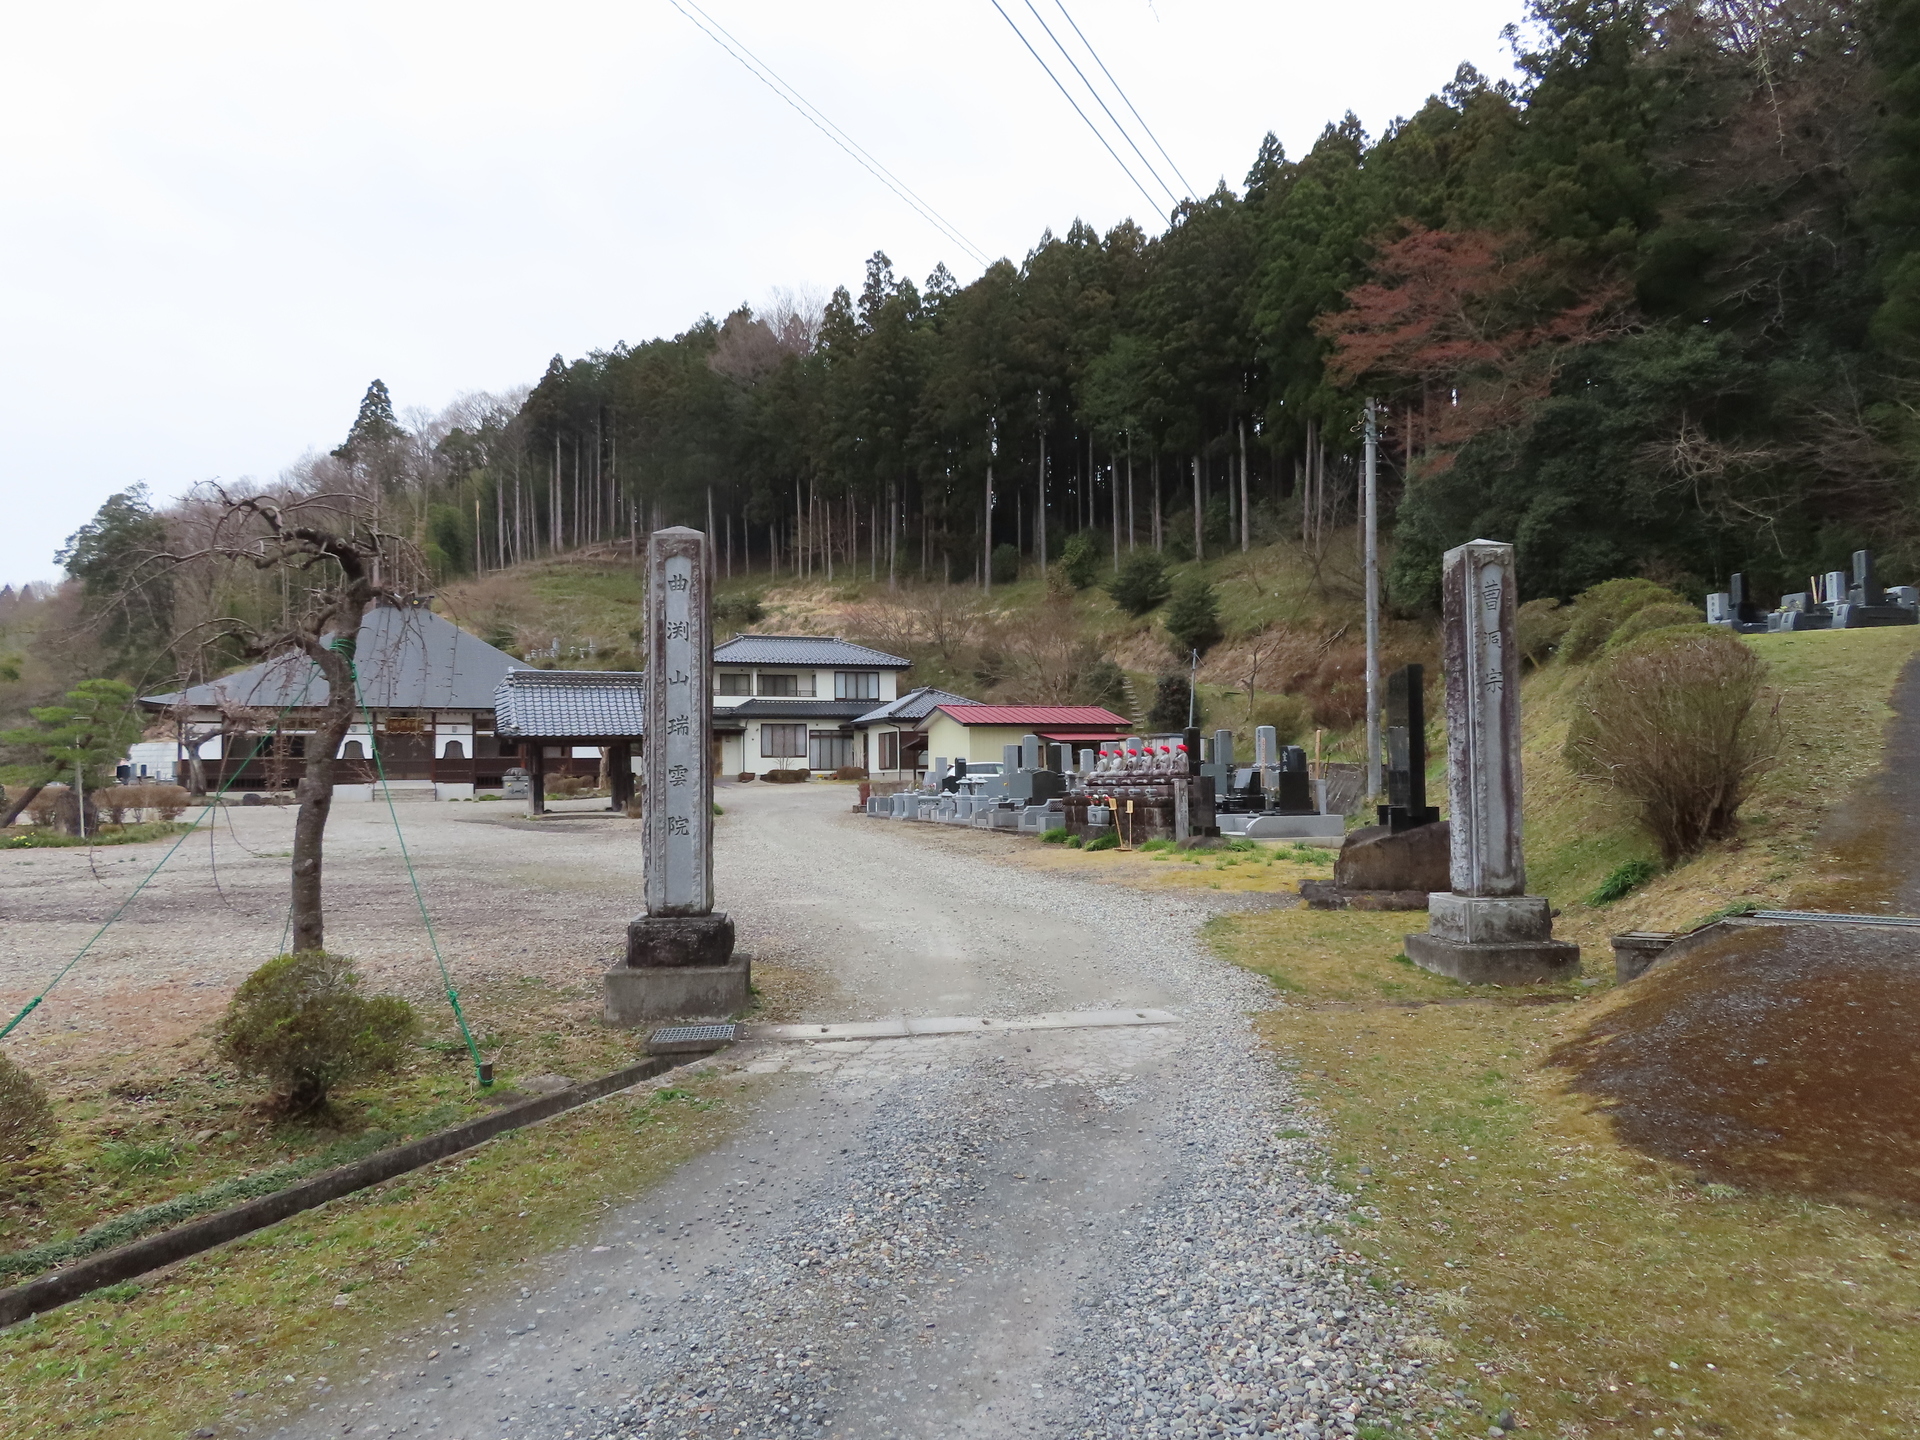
<point x="185" y="835"/>
<point x="481" y="1071"/>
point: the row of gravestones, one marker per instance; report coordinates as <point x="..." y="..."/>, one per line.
<point x="1834" y="601"/>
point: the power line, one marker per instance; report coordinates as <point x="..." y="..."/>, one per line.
<point x="1076" y="107"/>
<point x="1102" y="103"/>
<point x="765" y="74"/>
<point x="1123" y="96"/>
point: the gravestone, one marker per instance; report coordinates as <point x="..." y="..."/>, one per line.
<point x="1486" y="929"/>
<point x="1406" y="806"/>
<point x="680" y="961"/>
<point x="1293" y="788"/>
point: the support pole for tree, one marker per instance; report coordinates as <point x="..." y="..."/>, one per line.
<point x="1373" y="600"/>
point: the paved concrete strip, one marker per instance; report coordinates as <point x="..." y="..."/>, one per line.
<point x="908" y="1026"/>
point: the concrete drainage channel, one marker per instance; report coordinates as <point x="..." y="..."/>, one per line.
<point x="668" y="1048"/>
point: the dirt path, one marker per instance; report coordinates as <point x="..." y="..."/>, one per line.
<point x="1098" y="1231"/>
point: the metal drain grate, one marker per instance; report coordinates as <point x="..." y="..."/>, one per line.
<point x="675" y="1038"/>
<point x="1830" y="918"/>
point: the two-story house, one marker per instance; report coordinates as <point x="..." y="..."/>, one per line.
<point x="788" y="702"/>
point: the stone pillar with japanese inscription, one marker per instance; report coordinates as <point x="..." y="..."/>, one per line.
<point x="680" y="961"/>
<point x="1486" y="929"/>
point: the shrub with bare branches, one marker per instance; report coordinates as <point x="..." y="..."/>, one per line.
<point x="1676" y="725"/>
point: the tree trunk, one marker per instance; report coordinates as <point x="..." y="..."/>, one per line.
<point x="315" y="790"/>
<point x="1040" y="516"/>
<point x="1199" y="534"/>
<point x="1246" y="525"/>
<point x="20" y="802"/>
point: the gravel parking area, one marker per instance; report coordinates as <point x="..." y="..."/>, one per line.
<point x="1121" y="1232"/>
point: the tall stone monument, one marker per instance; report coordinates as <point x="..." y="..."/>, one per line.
<point x="680" y="961"/>
<point x="1487" y="929"/>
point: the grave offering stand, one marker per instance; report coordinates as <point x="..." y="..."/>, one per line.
<point x="680" y="961"/>
<point x="1486" y="929"/>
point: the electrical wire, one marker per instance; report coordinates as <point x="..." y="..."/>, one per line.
<point x="1061" y="5"/>
<point x="1076" y="107"/>
<point x="1100" y="102"/>
<point x="766" y="75"/>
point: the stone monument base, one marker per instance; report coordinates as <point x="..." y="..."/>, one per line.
<point x="1493" y="940"/>
<point x="678" y="992"/>
<point x="660" y="941"/>
<point x="1331" y="895"/>
<point x="1536" y="962"/>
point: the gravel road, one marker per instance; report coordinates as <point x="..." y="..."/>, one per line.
<point x="1094" y="1232"/>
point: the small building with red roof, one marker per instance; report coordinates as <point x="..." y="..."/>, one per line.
<point x="978" y="732"/>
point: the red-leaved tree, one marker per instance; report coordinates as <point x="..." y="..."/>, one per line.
<point x="1468" y="328"/>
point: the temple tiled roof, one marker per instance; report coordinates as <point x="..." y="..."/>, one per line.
<point x="406" y="657"/>
<point x="571" y="704"/>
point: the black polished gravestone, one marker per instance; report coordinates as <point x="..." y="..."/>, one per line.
<point x="1406" y="806"/>
<point x="1294" y="794"/>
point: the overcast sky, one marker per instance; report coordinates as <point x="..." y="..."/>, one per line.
<point x="223" y="220"/>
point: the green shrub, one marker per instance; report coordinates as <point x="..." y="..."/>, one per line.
<point x="1170" y="704"/>
<point x="1538" y="628"/>
<point x="1056" y="836"/>
<point x="1142" y="583"/>
<point x="1622" y="880"/>
<point x="300" y="1023"/>
<point x="1598" y="612"/>
<point x="1074" y="842"/>
<point x="1080" y="560"/>
<point x="742" y="607"/>
<point x="1193" y="615"/>
<point x="1674" y="724"/>
<point x="1108" y="841"/>
<point x="1156" y="845"/>
<point x="26" y="1117"/>
<point x="1004" y="565"/>
<point x="1649" y="619"/>
<point x="785" y="777"/>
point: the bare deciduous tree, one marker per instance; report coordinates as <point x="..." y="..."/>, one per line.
<point x="334" y="564"/>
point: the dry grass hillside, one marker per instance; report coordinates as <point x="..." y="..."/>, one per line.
<point x="1038" y="640"/>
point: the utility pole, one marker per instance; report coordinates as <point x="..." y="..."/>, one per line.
<point x="1373" y="600"/>
<point x="1193" y="691"/>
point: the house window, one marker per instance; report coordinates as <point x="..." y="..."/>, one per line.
<point x="889" y="750"/>
<point x="788" y="686"/>
<point x="831" y="750"/>
<point x="455" y="751"/>
<point x="353" y="750"/>
<point x="783" y="742"/>
<point x="856" y="684"/>
<point x="734" y="682"/>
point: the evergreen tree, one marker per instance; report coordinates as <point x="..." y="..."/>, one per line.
<point x="374" y="428"/>
<point x="125" y="584"/>
<point x="1193" y="615"/>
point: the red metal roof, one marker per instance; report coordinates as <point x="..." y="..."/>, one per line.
<point x="1105" y="736"/>
<point x="1053" y="717"/>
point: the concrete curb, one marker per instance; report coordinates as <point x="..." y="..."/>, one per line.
<point x="136" y="1257"/>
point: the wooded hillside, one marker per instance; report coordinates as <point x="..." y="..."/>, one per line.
<point x="1655" y="309"/>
